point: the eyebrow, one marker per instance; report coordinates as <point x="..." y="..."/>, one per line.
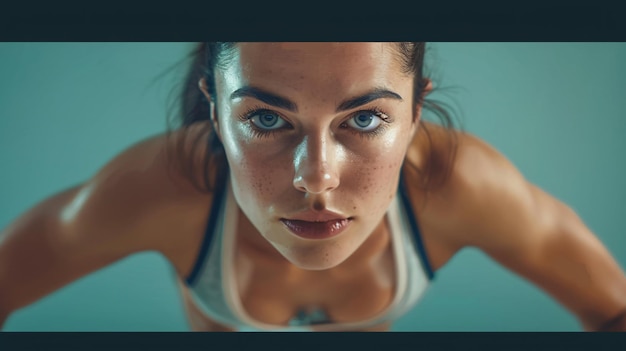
<point x="286" y="104"/>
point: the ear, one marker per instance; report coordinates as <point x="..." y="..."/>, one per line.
<point x="205" y="90"/>
<point x="429" y="86"/>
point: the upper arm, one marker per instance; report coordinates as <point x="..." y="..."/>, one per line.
<point x="536" y="236"/>
<point x="118" y="212"/>
<point x="47" y="247"/>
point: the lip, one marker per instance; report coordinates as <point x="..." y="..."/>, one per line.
<point x="316" y="225"/>
<point x="316" y="230"/>
<point x="317" y="216"/>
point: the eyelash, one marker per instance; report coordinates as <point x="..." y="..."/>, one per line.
<point x="375" y="110"/>
<point x="257" y="132"/>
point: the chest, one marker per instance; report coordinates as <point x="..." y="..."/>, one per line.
<point x="274" y="293"/>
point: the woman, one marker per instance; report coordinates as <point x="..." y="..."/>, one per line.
<point x="331" y="202"/>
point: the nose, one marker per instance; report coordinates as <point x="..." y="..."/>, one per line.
<point x="315" y="166"/>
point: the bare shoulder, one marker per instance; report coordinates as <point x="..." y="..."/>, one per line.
<point x="471" y="207"/>
<point x="491" y="202"/>
<point x="487" y="203"/>
<point x="143" y="199"/>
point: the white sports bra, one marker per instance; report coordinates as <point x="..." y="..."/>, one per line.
<point x="212" y="282"/>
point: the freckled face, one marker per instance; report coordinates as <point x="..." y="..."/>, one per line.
<point x="325" y="126"/>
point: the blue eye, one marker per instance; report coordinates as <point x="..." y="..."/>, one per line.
<point x="267" y="120"/>
<point x="364" y="121"/>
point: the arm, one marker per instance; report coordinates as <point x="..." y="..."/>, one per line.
<point x="40" y="252"/>
<point x="125" y="208"/>
<point x="3" y="318"/>
<point x="535" y="235"/>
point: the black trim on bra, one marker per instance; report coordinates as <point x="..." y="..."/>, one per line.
<point x="416" y="231"/>
<point x="210" y="229"/>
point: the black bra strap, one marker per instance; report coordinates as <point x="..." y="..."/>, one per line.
<point x="219" y="189"/>
<point x="415" y="228"/>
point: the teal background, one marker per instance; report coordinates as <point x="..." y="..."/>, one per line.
<point x="556" y="110"/>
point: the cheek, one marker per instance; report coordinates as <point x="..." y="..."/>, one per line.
<point x="375" y="185"/>
<point x="378" y="168"/>
<point x="257" y="176"/>
<point x="374" y="182"/>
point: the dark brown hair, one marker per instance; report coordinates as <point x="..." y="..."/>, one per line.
<point x="193" y="108"/>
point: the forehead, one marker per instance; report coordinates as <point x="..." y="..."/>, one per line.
<point x="329" y="67"/>
<point x="312" y="53"/>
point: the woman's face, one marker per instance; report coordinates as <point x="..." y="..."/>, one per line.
<point x="310" y="128"/>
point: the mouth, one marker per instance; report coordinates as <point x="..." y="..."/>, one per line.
<point x="316" y="229"/>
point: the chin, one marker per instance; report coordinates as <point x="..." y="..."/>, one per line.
<point x="315" y="266"/>
<point x="315" y="259"/>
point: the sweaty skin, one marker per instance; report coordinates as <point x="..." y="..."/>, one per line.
<point x="316" y="159"/>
